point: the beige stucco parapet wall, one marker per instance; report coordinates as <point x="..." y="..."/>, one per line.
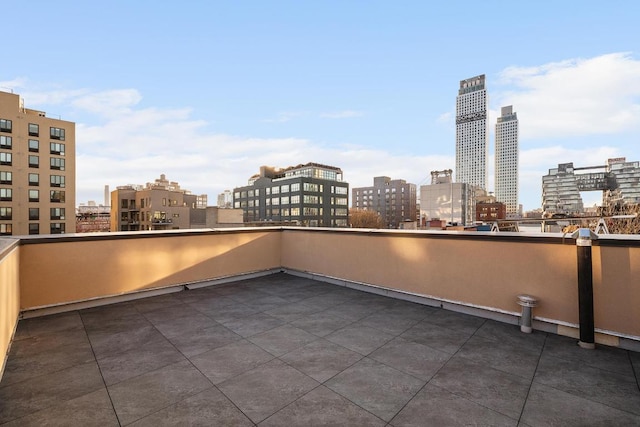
<point x="462" y="269"/>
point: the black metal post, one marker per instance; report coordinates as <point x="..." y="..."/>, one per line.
<point x="585" y="289"/>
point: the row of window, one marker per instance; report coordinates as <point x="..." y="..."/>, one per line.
<point x="55" y="163"/>
<point x="308" y="199"/>
<point x="6" y="177"/>
<point x="34" y="213"/>
<point x="34" y="130"/>
<point x="6" y="142"/>
<point x="55" y="196"/>
<point x="307" y="187"/>
<point x="34" y="228"/>
<point x="295" y="212"/>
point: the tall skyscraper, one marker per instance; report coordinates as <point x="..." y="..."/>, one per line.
<point x="472" y="132"/>
<point x="506" y="159"/>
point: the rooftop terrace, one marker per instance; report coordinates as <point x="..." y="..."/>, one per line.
<point x="283" y="333"/>
<point x="284" y="350"/>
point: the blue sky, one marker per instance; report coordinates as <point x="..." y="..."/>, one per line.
<point x="207" y="92"/>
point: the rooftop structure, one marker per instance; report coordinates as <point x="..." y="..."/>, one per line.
<point x="286" y="326"/>
<point x="310" y="195"/>
<point x="37" y="171"/>
<point x="472" y="133"/>
<point x="506" y="161"/>
<point x="393" y="199"/>
<point x="618" y="180"/>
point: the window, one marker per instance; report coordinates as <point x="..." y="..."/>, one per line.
<point x="57" y="163"/>
<point x="295" y="199"/>
<point x="34" y="145"/>
<point x="5" y="159"/>
<point x="34" y="129"/>
<point x="285" y="188"/>
<point x="6" y="142"/>
<point x="58" y="181"/>
<point x="124" y="204"/>
<point x="342" y="190"/>
<point x="310" y="187"/>
<point x="6" y="177"/>
<point x="164" y="202"/>
<point x="57" y="148"/>
<point x="34" y="213"/>
<point x="57" y="133"/>
<point x="5" y="229"/>
<point x="57" y="213"/>
<point x="34" y="179"/>
<point x="295" y="187"/>
<point x="57" y="228"/>
<point x="34" y="195"/>
<point x="275" y="190"/>
<point x="34" y="161"/>
<point x="34" y="228"/>
<point x="5" y="125"/>
<point x="5" y="213"/>
<point x="56" y="196"/>
<point x="6" y="194"/>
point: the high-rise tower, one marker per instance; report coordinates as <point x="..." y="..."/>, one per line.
<point x="472" y="132"/>
<point x="506" y="159"/>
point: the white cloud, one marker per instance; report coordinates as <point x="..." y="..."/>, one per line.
<point x="574" y="97"/>
<point x="346" y="114"/>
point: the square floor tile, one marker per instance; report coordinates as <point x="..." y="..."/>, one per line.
<point x="609" y="388"/>
<point x="90" y="410"/>
<point x="283" y="339"/>
<point x="231" y="360"/>
<point x="438" y="337"/>
<point x="547" y="406"/>
<point x="138" y="397"/>
<point x="359" y="338"/>
<point x="38" y="393"/>
<point x="261" y="392"/>
<point x="379" y="389"/>
<point x="411" y="358"/>
<point x="322" y="407"/>
<point x="207" y="408"/>
<point x="497" y="390"/>
<point x="321" y="359"/>
<point x="434" y="406"/>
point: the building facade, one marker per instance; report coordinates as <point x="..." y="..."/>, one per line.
<point x="472" y="132"/>
<point x="490" y="211"/>
<point x="37" y="171"/>
<point x="506" y="161"/>
<point x="161" y="205"/>
<point x="618" y="180"/>
<point x="453" y="202"/>
<point x="311" y="195"/>
<point x="625" y="182"/>
<point x="393" y="199"/>
<point x="225" y="199"/>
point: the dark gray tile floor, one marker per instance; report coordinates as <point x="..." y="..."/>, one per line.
<point x="283" y="350"/>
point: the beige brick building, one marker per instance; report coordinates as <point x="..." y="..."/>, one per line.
<point x="163" y="205"/>
<point x="37" y="171"/>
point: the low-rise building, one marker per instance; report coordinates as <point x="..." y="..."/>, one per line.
<point x="393" y="199"/>
<point x="311" y="195"/>
<point x="161" y="205"/>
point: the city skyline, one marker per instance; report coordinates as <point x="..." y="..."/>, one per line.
<point x="208" y="93"/>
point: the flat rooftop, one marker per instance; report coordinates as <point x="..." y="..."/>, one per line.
<point x="284" y="350"/>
